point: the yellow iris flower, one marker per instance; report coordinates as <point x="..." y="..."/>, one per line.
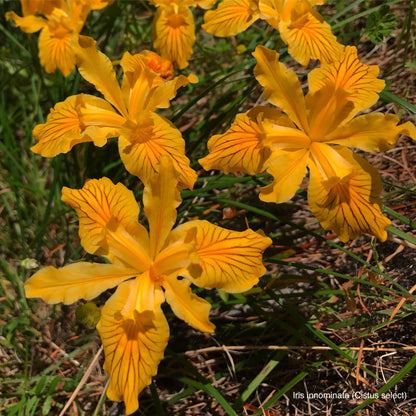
<point x="174" y="29"/>
<point x="315" y="132"/>
<point x="59" y="21"/>
<point x="301" y="27"/>
<point x="127" y="112"/>
<point x="145" y="267"/>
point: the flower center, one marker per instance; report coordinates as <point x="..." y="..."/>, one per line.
<point x="176" y="20"/>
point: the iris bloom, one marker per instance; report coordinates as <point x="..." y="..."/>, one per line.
<point x="127" y="112"/>
<point x="174" y="29"/>
<point x="146" y="268"/>
<point x="315" y="132"/>
<point x="301" y="27"/>
<point x="59" y="21"/>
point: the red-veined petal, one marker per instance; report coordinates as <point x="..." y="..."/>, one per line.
<point x="55" y="51"/>
<point x="350" y="205"/>
<point x="358" y="79"/>
<point x="63" y="128"/>
<point x="231" y="17"/>
<point x="230" y="260"/>
<point x="133" y="347"/>
<point x="142" y="143"/>
<point x="108" y="221"/>
<point x="308" y="36"/>
<point x="174" y="34"/>
<point x="241" y="149"/>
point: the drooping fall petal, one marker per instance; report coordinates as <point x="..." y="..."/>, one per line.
<point x="281" y="85"/>
<point x="96" y="68"/>
<point x="308" y="36"/>
<point x="288" y="168"/>
<point x="75" y="281"/>
<point x="63" y="128"/>
<point x="142" y="143"/>
<point x="55" y="50"/>
<point x="374" y="132"/>
<point x="186" y="305"/>
<point x="174" y="34"/>
<point x="358" y="79"/>
<point x="161" y="197"/>
<point x="350" y="206"/>
<point x="133" y="347"/>
<point x="230" y="260"/>
<point x="240" y="149"/>
<point x="108" y="221"/>
<point x="231" y="17"/>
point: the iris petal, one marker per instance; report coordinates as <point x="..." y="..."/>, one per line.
<point x="133" y="347"/>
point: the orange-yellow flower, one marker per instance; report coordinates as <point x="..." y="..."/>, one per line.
<point x="174" y="29"/>
<point x="146" y="268"/>
<point x="127" y="112"/>
<point x="301" y="27"/>
<point x="59" y="21"/>
<point x="315" y="132"/>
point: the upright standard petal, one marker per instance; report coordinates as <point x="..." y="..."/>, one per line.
<point x="134" y="65"/>
<point x="358" y="79"/>
<point x="96" y="68"/>
<point x="241" y="149"/>
<point x="203" y="4"/>
<point x="230" y="260"/>
<point x="375" y="132"/>
<point x="161" y="197"/>
<point x="281" y="85"/>
<point x="231" y="17"/>
<point x="75" y="281"/>
<point x="351" y="205"/>
<point x="288" y="168"/>
<point x="28" y="24"/>
<point x="328" y="108"/>
<point x="99" y="4"/>
<point x="186" y="305"/>
<point x="308" y="36"/>
<point x="145" y="140"/>
<point x="174" y="34"/>
<point x="161" y="95"/>
<point x="133" y="347"/>
<point x="38" y="7"/>
<point x="108" y="221"/>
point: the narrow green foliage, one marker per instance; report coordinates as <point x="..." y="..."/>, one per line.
<point x="380" y="24"/>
